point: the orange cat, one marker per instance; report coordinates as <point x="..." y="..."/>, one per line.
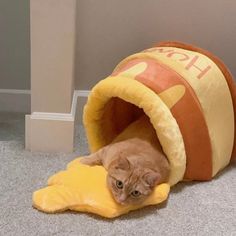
<point x="135" y="162"/>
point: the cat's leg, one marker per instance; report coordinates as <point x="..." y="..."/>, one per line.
<point x="92" y="160"/>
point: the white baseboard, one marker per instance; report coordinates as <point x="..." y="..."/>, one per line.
<point x="82" y="93"/>
<point x="14" y="91"/>
<point x="13" y="100"/>
<point x="54" y="132"/>
<point x="49" y="135"/>
<point x="77" y="96"/>
<point x="45" y="131"/>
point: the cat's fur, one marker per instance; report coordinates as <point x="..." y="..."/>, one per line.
<point x="135" y="159"/>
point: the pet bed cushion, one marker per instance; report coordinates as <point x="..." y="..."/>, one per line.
<point x="83" y="188"/>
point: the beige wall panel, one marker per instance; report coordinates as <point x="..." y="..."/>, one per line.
<point x="49" y="135"/>
<point x="108" y="31"/>
<point x="52" y="54"/>
<point x="14" y="44"/>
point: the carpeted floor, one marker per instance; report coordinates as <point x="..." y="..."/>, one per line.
<point x="192" y="209"/>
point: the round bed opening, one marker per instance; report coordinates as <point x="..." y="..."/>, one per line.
<point x="115" y="103"/>
<point x="118" y="115"/>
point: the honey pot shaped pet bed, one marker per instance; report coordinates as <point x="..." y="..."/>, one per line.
<point x="189" y="96"/>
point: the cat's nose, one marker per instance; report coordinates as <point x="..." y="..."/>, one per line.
<point x="122" y="199"/>
<point x="121" y="202"/>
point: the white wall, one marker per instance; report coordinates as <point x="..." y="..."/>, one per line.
<point x="109" y="30"/>
<point x="14" y="44"/>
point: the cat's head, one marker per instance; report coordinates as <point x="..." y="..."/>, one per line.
<point x="130" y="184"/>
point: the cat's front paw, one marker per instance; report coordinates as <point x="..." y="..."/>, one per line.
<point x="86" y="161"/>
<point x="90" y="161"/>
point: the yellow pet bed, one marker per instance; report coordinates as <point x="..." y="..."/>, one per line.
<point x="189" y="96"/>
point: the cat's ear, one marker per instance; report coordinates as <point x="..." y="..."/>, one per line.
<point x="121" y="163"/>
<point x="152" y="178"/>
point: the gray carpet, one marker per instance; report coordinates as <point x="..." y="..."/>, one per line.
<point x="192" y="209"/>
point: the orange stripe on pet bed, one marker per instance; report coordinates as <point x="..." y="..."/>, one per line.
<point x="228" y="76"/>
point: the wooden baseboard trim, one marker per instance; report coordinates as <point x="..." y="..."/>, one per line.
<point x="14" y="100"/>
<point x="17" y="100"/>
<point x="53" y="132"/>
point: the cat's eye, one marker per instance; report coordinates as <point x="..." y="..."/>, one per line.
<point x="135" y="193"/>
<point x="119" y="184"/>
